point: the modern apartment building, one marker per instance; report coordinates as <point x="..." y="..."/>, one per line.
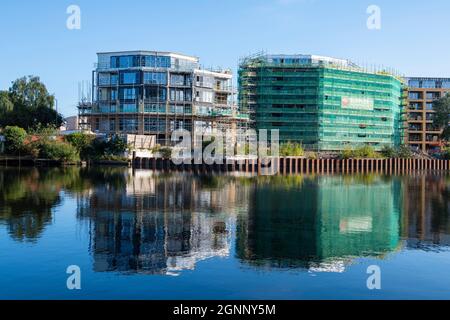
<point x="326" y="104"/>
<point x="155" y="93"/>
<point x="422" y="93"/>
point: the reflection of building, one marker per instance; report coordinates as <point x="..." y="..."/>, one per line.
<point x="320" y="226"/>
<point x="422" y="93"/>
<point x="323" y="103"/>
<point x="157" y="224"/>
<point x="427" y="203"/>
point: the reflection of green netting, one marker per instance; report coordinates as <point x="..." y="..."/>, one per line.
<point x="306" y="103"/>
<point x="357" y="218"/>
<point x="322" y="219"/>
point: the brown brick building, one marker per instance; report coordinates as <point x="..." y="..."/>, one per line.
<point x="420" y="130"/>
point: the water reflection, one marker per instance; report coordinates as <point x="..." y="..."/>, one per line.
<point x="321" y="224"/>
<point x="141" y="222"/>
<point x="160" y="224"/>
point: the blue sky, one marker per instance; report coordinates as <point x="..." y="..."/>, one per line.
<point x="413" y="37"/>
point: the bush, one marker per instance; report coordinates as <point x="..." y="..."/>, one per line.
<point x="446" y="153"/>
<point x="290" y="149"/>
<point x="166" y="153"/>
<point x="389" y="152"/>
<point x="404" y="151"/>
<point x="116" y="146"/>
<point x="365" y="151"/>
<point x="14" y="139"/>
<point x="347" y="153"/>
<point x="82" y="142"/>
<point x="59" y="151"/>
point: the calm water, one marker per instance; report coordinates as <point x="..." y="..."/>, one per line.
<point x="140" y="235"/>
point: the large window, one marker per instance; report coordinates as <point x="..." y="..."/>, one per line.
<point x="125" y="61"/>
<point x="155" y="78"/>
<point x="157" y="62"/>
<point x="180" y="80"/>
<point x="155" y="94"/>
<point x="128" y="107"/>
<point x="180" y="94"/>
<point x="128" y="125"/>
<point x="127" y="93"/>
<point x="129" y="78"/>
<point x="154" y="125"/>
<point x="154" y="108"/>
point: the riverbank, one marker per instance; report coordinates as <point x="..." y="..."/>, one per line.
<point x="299" y="165"/>
<point x="15" y="161"/>
<point x="268" y="166"/>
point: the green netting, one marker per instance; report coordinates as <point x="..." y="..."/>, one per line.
<point x="323" y="107"/>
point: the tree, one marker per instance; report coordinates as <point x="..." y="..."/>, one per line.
<point x="14" y="139"/>
<point x="28" y="105"/>
<point x="442" y="116"/>
<point x="5" y="103"/>
<point x="30" y="92"/>
<point x="82" y="142"/>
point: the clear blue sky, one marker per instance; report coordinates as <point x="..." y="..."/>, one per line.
<point x="414" y="37"/>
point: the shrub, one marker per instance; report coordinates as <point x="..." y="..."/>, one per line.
<point x="290" y="149"/>
<point x="116" y="146"/>
<point x="404" y="152"/>
<point x="59" y="151"/>
<point x="365" y="151"/>
<point x="446" y="153"/>
<point x="347" y="153"/>
<point x="82" y="142"/>
<point x="166" y="153"/>
<point x="389" y="152"/>
<point x="14" y="139"/>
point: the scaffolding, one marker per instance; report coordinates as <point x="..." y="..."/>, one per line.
<point x="162" y="99"/>
<point x="326" y="105"/>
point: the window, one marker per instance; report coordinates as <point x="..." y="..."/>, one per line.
<point x="104" y="79"/>
<point x="180" y="95"/>
<point x="125" y="61"/>
<point x="114" y="79"/>
<point x="154" y="108"/>
<point x="114" y="94"/>
<point x="128" y="93"/>
<point x="128" y="125"/>
<point x="155" y="78"/>
<point x="129" y="78"/>
<point x="157" y="61"/>
<point x="155" y="94"/>
<point x="128" y="107"/>
<point x="178" y="80"/>
<point x="154" y="125"/>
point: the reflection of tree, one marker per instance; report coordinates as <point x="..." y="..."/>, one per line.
<point x="27" y="197"/>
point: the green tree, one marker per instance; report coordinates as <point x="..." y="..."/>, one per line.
<point x="14" y="139"/>
<point x="6" y="104"/>
<point x="82" y="142"/>
<point x="442" y="116"/>
<point x="29" y="105"/>
<point x="291" y="149"/>
<point x="117" y="146"/>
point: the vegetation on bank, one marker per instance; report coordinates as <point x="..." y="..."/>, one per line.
<point x="368" y="152"/>
<point x="45" y="144"/>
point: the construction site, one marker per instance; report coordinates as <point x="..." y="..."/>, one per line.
<point x="323" y="103"/>
<point x="155" y="93"/>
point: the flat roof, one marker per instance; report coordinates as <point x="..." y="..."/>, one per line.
<point x="149" y="52"/>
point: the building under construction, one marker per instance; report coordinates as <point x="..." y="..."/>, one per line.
<point x="155" y="93"/>
<point x="326" y="104"/>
